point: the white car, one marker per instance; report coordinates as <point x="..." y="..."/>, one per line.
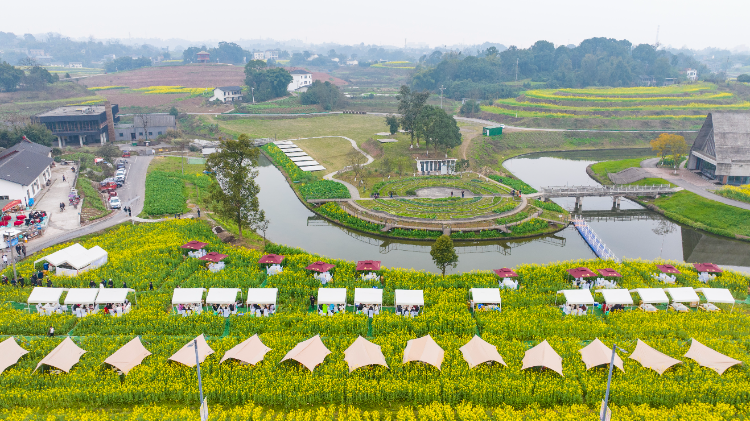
<point x="114" y="203"/>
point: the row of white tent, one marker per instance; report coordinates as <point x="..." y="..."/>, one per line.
<point x="298" y="156"/>
<point x="44" y="295"/>
<point x="362" y="352"/>
<point x="649" y="295"/>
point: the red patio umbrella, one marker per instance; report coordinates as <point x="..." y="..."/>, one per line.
<point x="11" y="205"/>
<point x="194" y="245"/>
<point x="609" y="272"/>
<point x="274" y="259"/>
<point x="707" y="267"/>
<point x="581" y="272"/>
<point x="320" y="267"/>
<point x="373" y="265"/>
<point x="214" y="257"/>
<point x="505" y="273"/>
<point x="668" y="269"/>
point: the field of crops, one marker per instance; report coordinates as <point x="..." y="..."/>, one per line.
<point x="164" y="194"/>
<point x="741" y="193"/>
<point x="445" y="208"/>
<point x="409" y="186"/>
<point x="150" y="253"/>
<point x="686" y="105"/>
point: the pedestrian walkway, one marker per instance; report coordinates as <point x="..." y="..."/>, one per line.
<point x="57" y="192"/>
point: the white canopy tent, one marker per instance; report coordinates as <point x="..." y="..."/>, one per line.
<point x="75" y="259"/>
<point x="262" y="296"/>
<point x="486" y="296"/>
<point x="717" y="295"/>
<point x="577" y="296"/>
<point x="81" y="296"/>
<point x="652" y="295"/>
<point x="683" y="295"/>
<point x="331" y="295"/>
<point x="368" y="296"/>
<point x="42" y="295"/>
<point x="187" y="295"/>
<point x="619" y="296"/>
<point x="113" y="295"/>
<point x="222" y="295"/>
<point x="409" y="297"/>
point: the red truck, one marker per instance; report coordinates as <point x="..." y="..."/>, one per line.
<point x="126" y="154"/>
<point x="109" y="186"/>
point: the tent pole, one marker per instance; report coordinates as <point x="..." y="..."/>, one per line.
<point x="603" y="414"/>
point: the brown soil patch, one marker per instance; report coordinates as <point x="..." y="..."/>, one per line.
<point x="191" y="76"/>
<point x="373" y="148"/>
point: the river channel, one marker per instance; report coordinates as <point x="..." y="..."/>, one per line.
<point x="630" y="231"/>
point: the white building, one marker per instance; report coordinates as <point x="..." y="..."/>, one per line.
<point x="352" y="62"/>
<point x="312" y="57"/>
<point x="75" y="65"/>
<point x="227" y="94"/>
<point x="435" y="165"/>
<point x="259" y="56"/>
<point x="300" y="79"/>
<point x="691" y="74"/>
<point x="271" y="54"/>
<point x="24" y="170"/>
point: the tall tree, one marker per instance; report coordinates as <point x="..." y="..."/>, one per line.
<point x="392" y="122"/>
<point x="443" y="253"/>
<point x="410" y="103"/>
<point x="437" y="128"/>
<point x="669" y="144"/>
<point x="267" y="83"/>
<point x="233" y="189"/>
<point x="10" y="77"/>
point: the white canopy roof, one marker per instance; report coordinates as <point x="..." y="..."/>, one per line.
<point x="187" y="295"/>
<point x="262" y="295"/>
<point x="577" y="296"/>
<point x="112" y="295"/>
<point x="331" y="295"/>
<point x="683" y="295"/>
<point x="222" y="295"/>
<point x="409" y="297"/>
<point x="652" y="295"/>
<point x="76" y="256"/>
<point x="486" y="295"/>
<point x="368" y="296"/>
<point x="81" y="296"/>
<point x="617" y="296"/>
<point x="45" y="295"/>
<point x="717" y="295"/>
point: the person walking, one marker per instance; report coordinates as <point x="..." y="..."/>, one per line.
<point x="92" y="284"/>
<point x="462" y="194"/>
<point x="199" y="212"/>
<point x="5" y="260"/>
<point x="150" y="286"/>
<point x="18" y="250"/>
<point x="312" y="301"/>
<point x="63" y="177"/>
<point x="111" y="284"/>
<point x="130" y="211"/>
<point x="23" y="249"/>
<point x="51" y="331"/>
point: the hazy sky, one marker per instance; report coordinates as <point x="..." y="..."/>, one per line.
<point x="693" y="23"/>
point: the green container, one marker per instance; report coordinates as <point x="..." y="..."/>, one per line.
<point x="492" y="131"/>
<point x="134" y="143"/>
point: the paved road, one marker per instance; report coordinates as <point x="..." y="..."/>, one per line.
<point x="131" y="194"/>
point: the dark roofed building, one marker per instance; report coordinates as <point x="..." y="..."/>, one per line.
<point x="24" y="170"/>
<point x="722" y="149"/>
<point x="81" y="124"/>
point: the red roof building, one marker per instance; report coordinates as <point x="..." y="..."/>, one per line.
<point x="203" y="57"/>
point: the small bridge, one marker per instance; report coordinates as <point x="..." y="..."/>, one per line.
<point x="616" y="191"/>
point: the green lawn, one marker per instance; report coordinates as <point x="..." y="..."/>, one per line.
<point x="603" y="168"/>
<point x="714" y="215"/>
<point x="651" y="182"/>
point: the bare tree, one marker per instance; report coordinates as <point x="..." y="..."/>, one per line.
<point x="263" y="227"/>
<point x="356" y="162"/>
<point x="144" y="120"/>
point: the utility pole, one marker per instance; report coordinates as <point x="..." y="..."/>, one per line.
<point x="516" y="69"/>
<point x="442" y="88"/>
<point x="252" y="92"/>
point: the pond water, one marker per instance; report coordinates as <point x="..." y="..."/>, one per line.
<point x="630" y="231"/>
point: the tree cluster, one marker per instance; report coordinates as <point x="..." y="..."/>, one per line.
<point x="37" y="78"/>
<point x="745" y="78"/>
<point x="267" y="83"/>
<point x="595" y="62"/>
<point x="34" y="132"/>
<point x="226" y="52"/>
<point x="427" y="122"/>
<point x="325" y="94"/>
<point x="126" y="63"/>
<point x="668" y="144"/>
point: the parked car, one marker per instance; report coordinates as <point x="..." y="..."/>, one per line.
<point x="114" y="203"/>
<point x="108" y="186"/>
<point x="126" y="154"/>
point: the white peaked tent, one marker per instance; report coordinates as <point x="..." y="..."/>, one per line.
<point x="42" y="295"/>
<point x="368" y="296"/>
<point x="683" y="295"/>
<point x="10" y="353"/>
<point x="616" y="296"/>
<point x="707" y="357"/>
<point x="81" y="296"/>
<point x="652" y="295"/>
<point x="250" y="351"/>
<point x="113" y="295"/>
<point x="64" y="356"/>
<point x="187" y="295"/>
<point x="186" y="354"/>
<point x="543" y="355"/>
<point x="75" y="259"/>
<point x="653" y="359"/>
<point x="424" y="349"/>
<point x="577" y="296"/>
<point x="130" y="355"/>
<point x="409" y="297"/>
<point x="596" y="354"/>
<point x="478" y="351"/>
<point x="309" y="353"/>
<point x="363" y="352"/>
<point x="331" y="295"/>
<point x="222" y="296"/>
<point x="262" y="296"/>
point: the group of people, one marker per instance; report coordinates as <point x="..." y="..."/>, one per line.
<point x="487" y="307"/>
<point x="575" y="309"/>
<point x="331" y="309"/>
<point x="370" y="311"/>
<point x="110" y="284"/>
<point x="83" y="310"/>
<point x="408" y="311"/>
<point x="186" y="310"/>
<point x="257" y="310"/>
<point x="127" y="210"/>
<point x="117" y="309"/>
<point x="36" y="281"/>
<point x="50" y="308"/>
